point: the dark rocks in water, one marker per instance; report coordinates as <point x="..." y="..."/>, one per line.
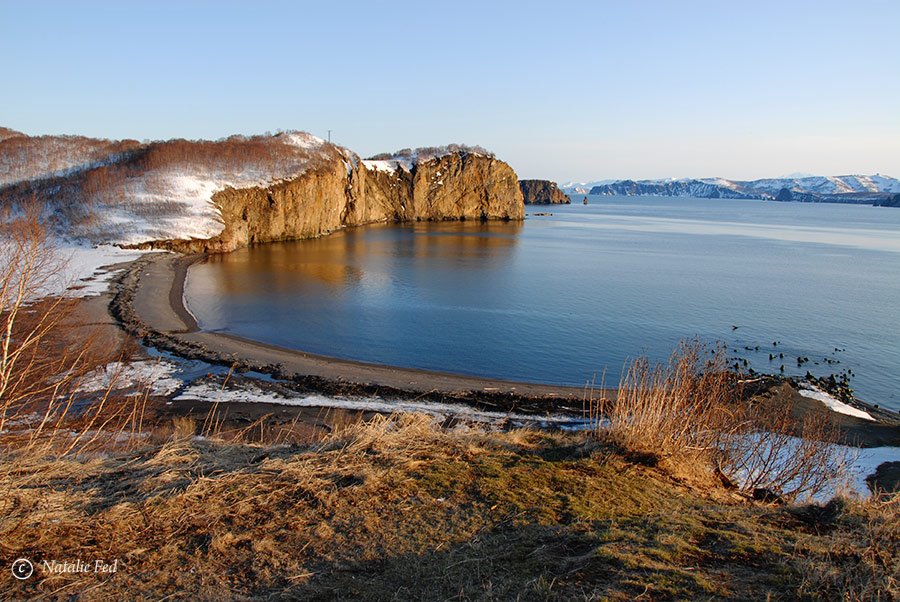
<point x="542" y="192"/>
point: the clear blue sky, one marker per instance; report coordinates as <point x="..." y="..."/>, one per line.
<point x="561" y="90"/>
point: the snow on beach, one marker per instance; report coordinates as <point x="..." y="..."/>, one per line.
<point x="76" y="269"/>
<point x="87" y="270"/>
<point x="863" y="462"/>
<point x="155" y="376"/>
<point x="249" y="393"/>
<point x="835" y="405"/>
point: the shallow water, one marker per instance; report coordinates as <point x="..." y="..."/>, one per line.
<point x="568" y="298"/>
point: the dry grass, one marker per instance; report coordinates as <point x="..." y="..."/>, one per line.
<point x="863" y="560"/>
<point x="397" y="508"/>
<point x="690" y="415"/>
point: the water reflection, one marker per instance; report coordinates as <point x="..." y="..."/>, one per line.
<point x="355" y="257"/>
<point x="561" y="298"/>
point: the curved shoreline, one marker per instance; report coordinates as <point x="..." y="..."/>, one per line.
<point x="149" y="303"/>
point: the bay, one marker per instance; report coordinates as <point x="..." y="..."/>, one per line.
<point x="569" y="298"/>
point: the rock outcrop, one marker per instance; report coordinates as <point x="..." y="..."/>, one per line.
<point x="542" y="192"/>
<point x="341" y="193"/>
<point x="893" y="201"/>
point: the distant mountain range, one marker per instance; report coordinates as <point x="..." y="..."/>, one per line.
<point x="869" y="190"/>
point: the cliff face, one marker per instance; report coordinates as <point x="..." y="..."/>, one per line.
<point x="678" y="188"/>
<point x="893" y="201"/>
<point x="542" y="192"/>
<point x="341" y="193"/>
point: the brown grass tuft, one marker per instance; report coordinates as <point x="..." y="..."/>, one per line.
<point x="863" y="561"/>
<point x="690" y="415"/>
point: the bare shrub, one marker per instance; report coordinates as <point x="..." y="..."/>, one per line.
<point x="427" y="153"/>
<point x="690" y="411"/>
<point x="28" y="355"/>
<point x="671" y="409"/>
<point x="42" y="361"/>
<point x="769" y="450"/>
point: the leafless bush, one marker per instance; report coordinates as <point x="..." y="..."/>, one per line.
<point x="770" y="450"/>
<point x="42" y="362"/>
<point x="426" y="153"/>
<point x="28" y="356"/>
<point x="691" y="412"/>
<point x="672" y="409"/>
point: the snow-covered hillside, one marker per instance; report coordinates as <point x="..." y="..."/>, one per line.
<point x="849" y="188"/>
<point x="24" y="158"/>
<point x="826" y="185"/>
<point x="128" y="193"/>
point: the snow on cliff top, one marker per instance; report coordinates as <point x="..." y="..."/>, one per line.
<point x="129" y="193"/>
<point x="388" y="165"/>
<point x="406" y="158"/>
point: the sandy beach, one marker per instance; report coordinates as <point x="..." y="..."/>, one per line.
<point x="149" y="302"/>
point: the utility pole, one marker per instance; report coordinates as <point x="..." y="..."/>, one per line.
<point x="329" y="136"/>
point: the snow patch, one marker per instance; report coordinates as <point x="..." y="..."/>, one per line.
<point x="388" y="165"/>
<point x="833" y="403"/>
<point x="303" y="140"/>
<point x="135" y="377"/>
<point x="88" y="270"/>
<point x="250" y="393"/>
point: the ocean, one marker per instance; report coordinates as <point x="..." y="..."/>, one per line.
<point x="569" y="298"/>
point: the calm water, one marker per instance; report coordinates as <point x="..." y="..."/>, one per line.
<point x="559" y="299"/>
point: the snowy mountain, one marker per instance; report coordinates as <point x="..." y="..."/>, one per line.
<point x="582" y="187"/>
<point x="827" y="189"/>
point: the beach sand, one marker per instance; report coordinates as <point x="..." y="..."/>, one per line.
<point x="155" y="287"/>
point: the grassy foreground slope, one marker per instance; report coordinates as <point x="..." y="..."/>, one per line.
<point x="398" y="508"/>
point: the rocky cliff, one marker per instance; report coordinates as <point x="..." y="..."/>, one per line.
<point x="542" y="192"/>
<point x="456" y="186"/>
<point x="892" y="201"/>
<point x="202" y="195"/>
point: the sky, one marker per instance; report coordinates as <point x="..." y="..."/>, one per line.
<point x="567" y="91"/>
